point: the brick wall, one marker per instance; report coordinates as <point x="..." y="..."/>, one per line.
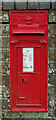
<point x="5" y="58"/>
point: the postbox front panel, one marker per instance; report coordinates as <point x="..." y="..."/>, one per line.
<point x="28" y="60"/>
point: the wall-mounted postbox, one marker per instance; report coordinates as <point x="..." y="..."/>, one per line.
<point x="28" y="60"/>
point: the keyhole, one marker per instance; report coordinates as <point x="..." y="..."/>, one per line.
<point x="22" y="80"/>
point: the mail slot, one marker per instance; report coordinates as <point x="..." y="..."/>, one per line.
<point x="28" y="60"/>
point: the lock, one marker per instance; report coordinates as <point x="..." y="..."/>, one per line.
<point x="22" y="80"/>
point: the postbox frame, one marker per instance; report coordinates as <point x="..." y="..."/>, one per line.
<point x="13" y="88"/>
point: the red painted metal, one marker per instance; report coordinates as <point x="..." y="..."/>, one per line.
<point x="28" y="29"/>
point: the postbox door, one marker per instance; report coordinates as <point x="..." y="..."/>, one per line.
<point x="28" y="76"/>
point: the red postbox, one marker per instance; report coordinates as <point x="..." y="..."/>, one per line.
<point x="28" y="60"/>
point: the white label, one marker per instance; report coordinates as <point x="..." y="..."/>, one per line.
<point x="28" y="60"/>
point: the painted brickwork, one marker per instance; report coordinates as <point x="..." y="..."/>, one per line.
<point x="5" y="59"/>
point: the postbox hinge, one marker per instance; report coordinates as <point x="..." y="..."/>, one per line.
<point x="14" y="41"/>
<point x="43" y="41"/>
